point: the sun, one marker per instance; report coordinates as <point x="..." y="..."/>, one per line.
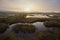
<point x="27" y="8"/>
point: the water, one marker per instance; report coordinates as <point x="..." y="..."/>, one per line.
<point x="38" y="25"/>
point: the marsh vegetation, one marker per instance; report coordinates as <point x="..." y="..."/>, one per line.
<point x="37" y="28"/>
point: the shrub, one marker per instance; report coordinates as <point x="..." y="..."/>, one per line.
<point x="3" y="27"/>
<point x="52" y="24"/>
<point x="25" y="28"/>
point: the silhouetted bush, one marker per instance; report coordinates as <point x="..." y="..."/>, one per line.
<point x="2" y="20"/>
<point x="3" y="27"/>
<point x="51" y="37"/>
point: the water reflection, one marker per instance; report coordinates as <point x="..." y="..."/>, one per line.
<point x="39" y="26"/>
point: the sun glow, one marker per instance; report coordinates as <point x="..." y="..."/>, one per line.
<point x="27" y="8"/>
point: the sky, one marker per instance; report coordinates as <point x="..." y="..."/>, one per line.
<point x="30" y="5"/>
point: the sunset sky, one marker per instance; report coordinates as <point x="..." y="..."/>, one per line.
<point x="30" y="5"/>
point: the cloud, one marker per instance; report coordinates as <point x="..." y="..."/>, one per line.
<point x="45" y="5"/>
